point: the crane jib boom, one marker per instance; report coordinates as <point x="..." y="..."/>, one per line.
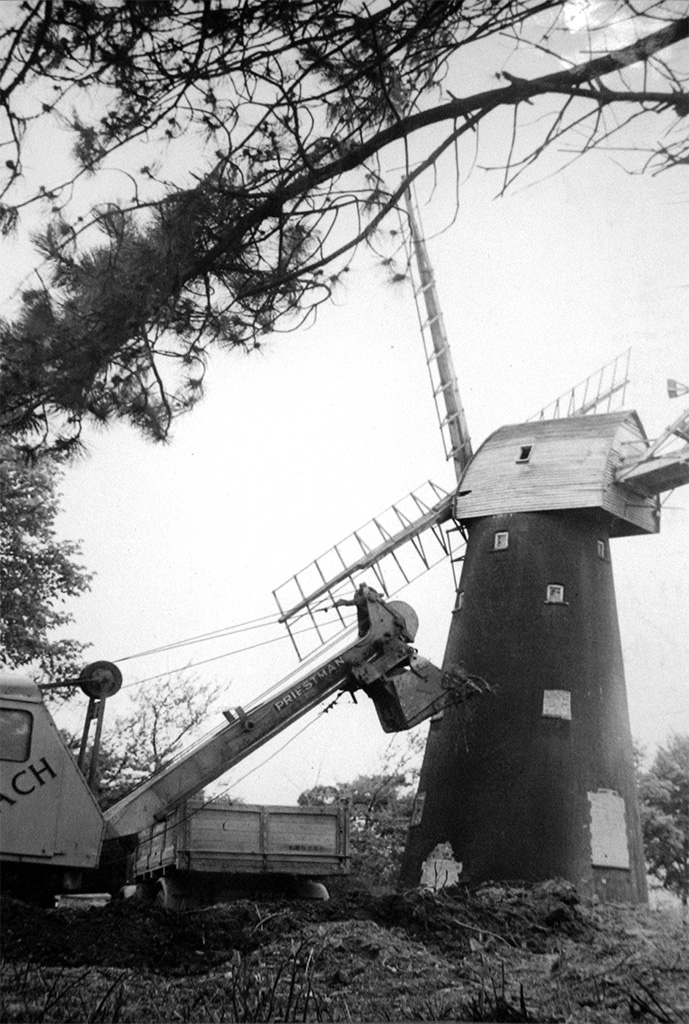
<point x="383" y="647"/>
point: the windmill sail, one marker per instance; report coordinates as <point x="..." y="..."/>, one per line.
<point x="602" y="391"/>
<point x="394" y="548"/>
<point x="662" y="465"/>
<point x="448" y="403"/>
<point x="388" y="552"/>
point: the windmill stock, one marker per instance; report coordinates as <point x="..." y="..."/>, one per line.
<point x="535" y="780"/>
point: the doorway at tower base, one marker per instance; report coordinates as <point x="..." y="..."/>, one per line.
<point x="440" y="870"/>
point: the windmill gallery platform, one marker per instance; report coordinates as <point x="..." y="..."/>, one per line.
<point x="537" y="780"/>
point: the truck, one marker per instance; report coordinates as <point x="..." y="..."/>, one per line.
<point x="175" y="844"/>
<point x="209" y="850"/>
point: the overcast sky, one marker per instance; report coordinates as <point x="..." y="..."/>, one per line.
<point x="300" y="444"/>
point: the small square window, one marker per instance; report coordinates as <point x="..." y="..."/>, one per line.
<point x="555" y="593"/>
<point x="501" y="540"/>
<point x="525" y="453"/>
<point x="602" y="551"/>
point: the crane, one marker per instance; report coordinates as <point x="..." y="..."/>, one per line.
<point x="51" y="822"/>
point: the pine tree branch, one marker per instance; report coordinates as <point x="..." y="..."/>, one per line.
<point x="569" y="81"/>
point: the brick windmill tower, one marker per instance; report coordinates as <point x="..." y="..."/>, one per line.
<point x="536" y="780"/>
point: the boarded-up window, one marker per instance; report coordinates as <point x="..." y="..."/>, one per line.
<point x="602" y="550"/>
<point x="459" y="601"/>
<point x="557" y="704"/>
<point x="609" y="848"/>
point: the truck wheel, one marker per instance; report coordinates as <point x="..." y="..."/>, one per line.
<point x="142" y="892"/>
<point x="169" y="894"/>
<point x="308" y="889"/>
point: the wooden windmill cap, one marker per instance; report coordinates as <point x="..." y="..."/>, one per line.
<point x="558" y="465"/>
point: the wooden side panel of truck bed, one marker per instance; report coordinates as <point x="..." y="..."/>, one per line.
<point x="226" y="838"/>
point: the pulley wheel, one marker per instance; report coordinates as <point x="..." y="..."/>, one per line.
<point x="100" y="679"/>
<point x="408" y="616"/>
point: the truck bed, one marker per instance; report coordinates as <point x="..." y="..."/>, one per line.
<point x="238" y="839"/>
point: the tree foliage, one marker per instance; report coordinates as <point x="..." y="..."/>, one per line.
<point x="256" y="140"/>
<point x="380" y="808"/>
<point x="162" y="719"/>
<point x="38" y="572"/>
<point x="664" y="800"/>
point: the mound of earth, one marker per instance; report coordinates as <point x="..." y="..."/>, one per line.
<point x="507" y="953"/>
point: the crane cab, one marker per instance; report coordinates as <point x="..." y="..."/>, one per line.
<point x="48" y="814"/>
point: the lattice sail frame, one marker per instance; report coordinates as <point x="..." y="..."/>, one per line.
<point x="663" y="464"/>
<point x="446" y="397"/>
<point x="602" y="391"/>
<point x="390" y="551"/>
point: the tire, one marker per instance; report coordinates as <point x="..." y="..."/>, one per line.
<point x="308" y="889"/>
<point x="141" y="892"/>
<point x="170" y="894"/>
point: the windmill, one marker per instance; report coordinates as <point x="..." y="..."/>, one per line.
<point x="535" y="781"/>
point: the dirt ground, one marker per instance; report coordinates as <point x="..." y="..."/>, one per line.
<point x="496" y="953"/>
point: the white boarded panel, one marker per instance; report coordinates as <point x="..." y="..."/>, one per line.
<point x="609" y="847"/>
<point x="557" y="704"/>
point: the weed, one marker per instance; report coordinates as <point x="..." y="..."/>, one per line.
<point x="34" y="995"/>
<point x="492" y="1004"/>
<point x="248" y="992"/>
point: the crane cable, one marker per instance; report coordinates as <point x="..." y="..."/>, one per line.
<point x="216" y="634"/>
<point x="262" y="698"/>
<point x="317" y="654"/>
<point x="227" y="654"/>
